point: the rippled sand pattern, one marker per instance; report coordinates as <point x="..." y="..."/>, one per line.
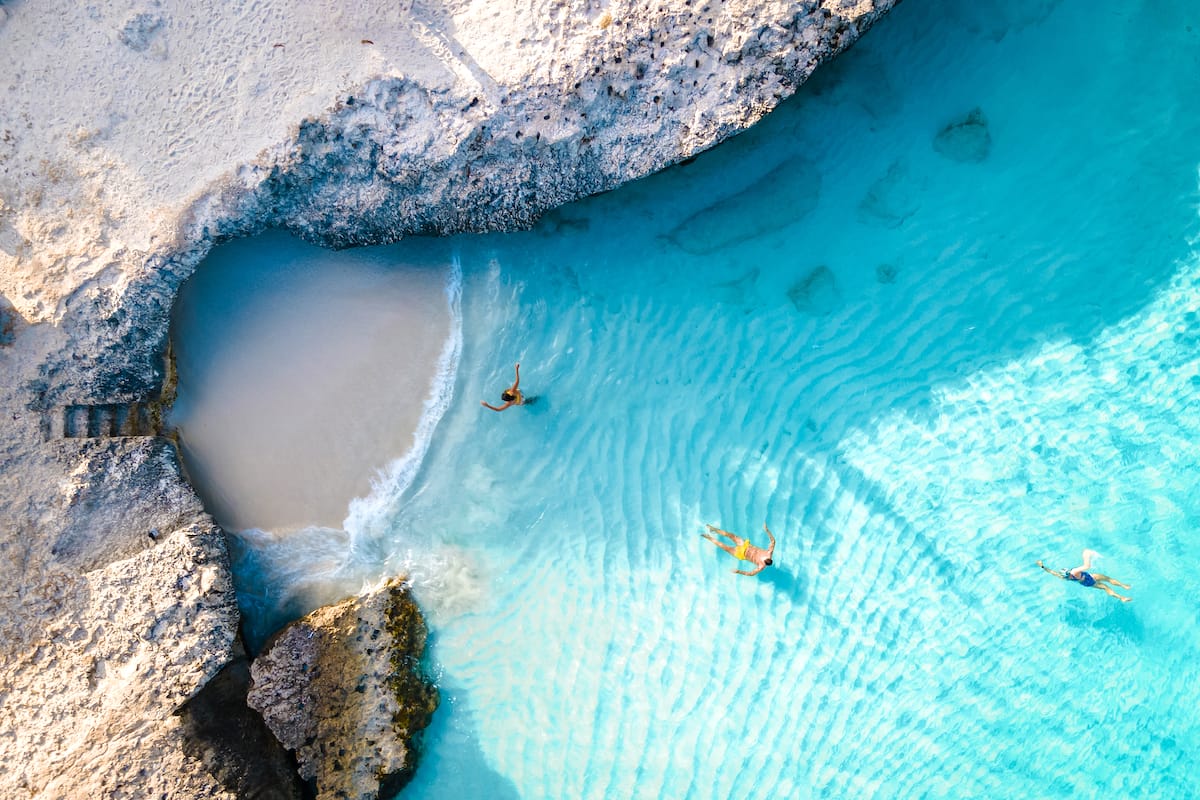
<point x="970" y="342"/>
<point x="950" y="363"/>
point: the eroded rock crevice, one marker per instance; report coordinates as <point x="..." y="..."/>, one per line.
<point x="233" y="743"/>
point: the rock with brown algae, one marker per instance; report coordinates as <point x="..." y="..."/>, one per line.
<point x="344" y="690"/>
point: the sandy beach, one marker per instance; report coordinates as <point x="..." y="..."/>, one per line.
<point x="294" y="393"/>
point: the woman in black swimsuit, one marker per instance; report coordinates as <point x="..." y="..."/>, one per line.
<point x="1083" y="575"/>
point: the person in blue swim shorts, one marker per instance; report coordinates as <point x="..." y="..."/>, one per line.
<point x="1084" y="575"/>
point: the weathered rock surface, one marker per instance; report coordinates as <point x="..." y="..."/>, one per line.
<point x="343" y="689"/>
<point x="134" y="136"/>
<point x="105" y="638"/>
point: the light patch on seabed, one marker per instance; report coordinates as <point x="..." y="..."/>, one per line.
<point x="1122" y="411"/>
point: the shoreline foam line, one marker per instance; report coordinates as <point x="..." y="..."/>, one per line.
<point x="391" y="482"/>
<point x="282" y="576"/>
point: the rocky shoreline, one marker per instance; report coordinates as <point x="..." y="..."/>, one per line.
<point x="343" y="689"/>
<point x="119" y="617"/>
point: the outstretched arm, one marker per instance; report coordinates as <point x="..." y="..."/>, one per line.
<point x="768" y="530"/>
<point x="1053" y="572"/>
<point x="743" y="572"/>
<point x="486" y="404"/>
<point x="517" y="380"/>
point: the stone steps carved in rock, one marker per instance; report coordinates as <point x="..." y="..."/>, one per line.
<point x="98" y="421"/>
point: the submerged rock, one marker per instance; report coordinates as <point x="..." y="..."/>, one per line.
<point x="966" y="140"/>
<point x="343" y="689"/>
<point x="995" y="19"/>
<point x="816" y="293"/>
<point x="780" y="198"/>
<point x="886" y="273"/>
<point x="892" y="198"/>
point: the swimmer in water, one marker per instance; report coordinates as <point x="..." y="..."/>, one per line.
<point x="1084" y="575"/>
<point x="742" y="550"/>
<point x="511" y="396"/>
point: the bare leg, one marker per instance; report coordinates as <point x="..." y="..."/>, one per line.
<point x="1088" y="555"/>
<point x="719" y="544"/>
<point x="1111" y="593"/>
<point x="1106" y="579"/>
<point x="723" y="533"/>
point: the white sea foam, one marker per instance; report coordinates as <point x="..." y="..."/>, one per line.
<point x="445" y="577"/>
<point x="283" y="576"/>
<point x="448" y="580"/>
<point x="288" y="571"/>
<point x="368" y="517"/>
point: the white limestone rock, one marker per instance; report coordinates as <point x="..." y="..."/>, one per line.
<point x="89" y="696"/>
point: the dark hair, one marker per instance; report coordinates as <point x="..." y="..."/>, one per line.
<point x="507" y="396"/>
<point x="768" y="562"/>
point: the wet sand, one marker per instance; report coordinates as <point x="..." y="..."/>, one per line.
<point x="302" y="372"/>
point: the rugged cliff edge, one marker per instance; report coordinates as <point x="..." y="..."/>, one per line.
<point x="134" y="136"/>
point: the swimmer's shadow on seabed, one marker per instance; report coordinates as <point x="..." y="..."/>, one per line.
<point x="784" y="582"/>
<point x="1117" y="619"/>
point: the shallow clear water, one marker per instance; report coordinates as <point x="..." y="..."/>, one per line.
<point x="926" y="361"/>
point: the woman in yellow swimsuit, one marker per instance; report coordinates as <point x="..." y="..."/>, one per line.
<point x="742" y="550"/>
<point x="511" y="396"/>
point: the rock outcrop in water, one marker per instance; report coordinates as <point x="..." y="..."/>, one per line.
<point x="342" y="688"/>
<point x="131" y="140"/>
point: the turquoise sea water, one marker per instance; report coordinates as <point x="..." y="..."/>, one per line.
<point x="926" y="359"/>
